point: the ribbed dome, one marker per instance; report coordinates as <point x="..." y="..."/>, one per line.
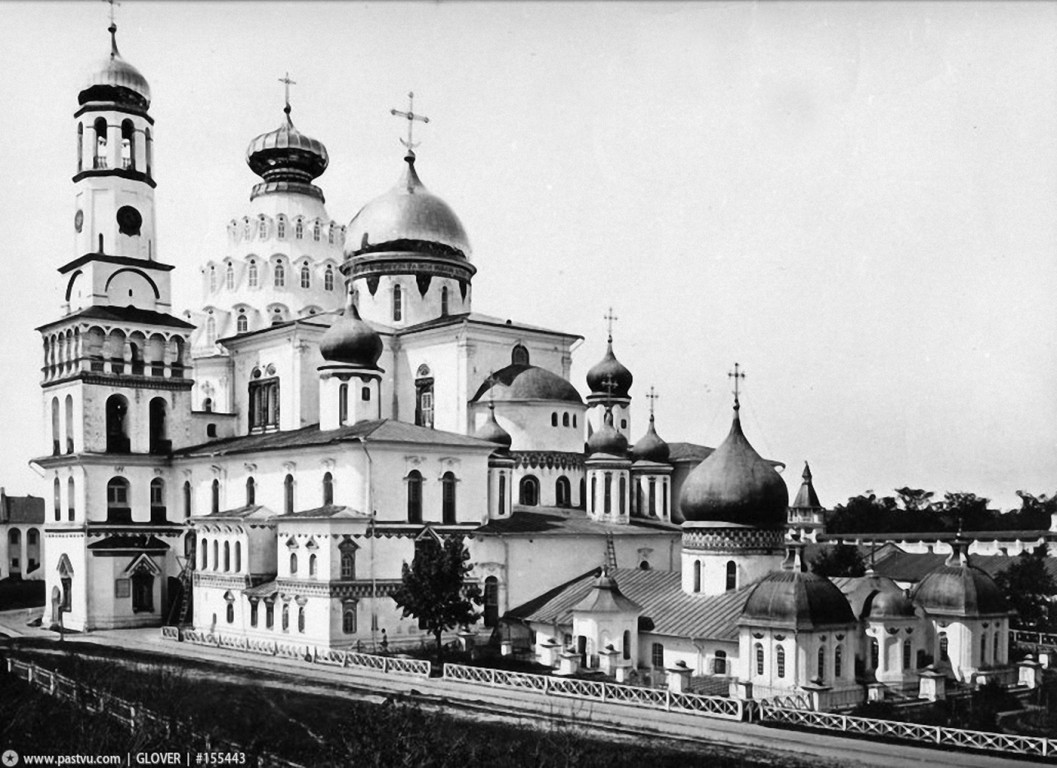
<point x="959" y="588"/>
<point x="650" y="446"/>
<point x="115" y="80"/>
<point x="527" y="382"/>
<point x="735" y="485"/>
<point x="607" y="439"/>
<point x="793" y="598"/>
<point x="862" y="590"/>
<point x="407" y="218"/>
<point x="286" y="154"/>
<point x="350" y="340"/>
<point x="492" y="431"/>
<point x="889" y="605"/>
<point x="609" y="368"/>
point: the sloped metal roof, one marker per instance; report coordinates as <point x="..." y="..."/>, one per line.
<point x="561" y="521"/>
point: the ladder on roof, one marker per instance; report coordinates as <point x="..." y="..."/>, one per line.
<point x="611" y="554"/>
<point x="181" y="614"/>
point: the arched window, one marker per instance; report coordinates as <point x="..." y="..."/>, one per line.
<point x="502" y="494"/>
<point x="697" y="575"/>
<point x="157" y="500"/>
<point x="328" y="489"/>
<point x="943" y="647"/>
<point x="269" y="615"/>
<point x="100" y="143"/>
<point x="875" y="653"/>
<point x="71" y="504"/>
<point x="116" y="430"/>
<point x="759" y="658"/>
<point x="229" y="276"/>
<point x="594" y="494"/>
<point x="732" y="575"/>
<point x="565" y="419"/>
<point x="779" y="660"/>
<point x="491" y="602"/>
<point x="187" y="498"/>
<point x="128" y="145"/>
<point x="227" y="557"/>
<point x="316" y="231"/>
<point x="57" y="500"/>
<point x="253" y="613"/>
<point x="983" y="649"/>
<point x="348" y="619"/>
<point x="306" y="276"/>
<point x="205" y="555"/>
<point x="69" y="424"/>
<point x="280" y="228"/>
<point x="312" y="565"/>
<point x="80" y="147"/>
<point x="657" y="656"/>
<point x="288" y="494"/>
<point x="626" y="644"/>
<point x="998" y="656"/>
<point x="252" y="277"/>
<point x="262" y="228"/>
<point x="117" y="508"/>
<point x="554" y="419"/>
<point x="414" y="497"/>
<point x="56" y="429"/>
<point x="328" y="279"/>
<point x="562" y="492"/>
<point x="158" y="433"/>
<point x="398" y="304"/>
<point x="238" y="557"/>
<point x="301" y="619"/>
<point x="299" y="228"/>
<point x="444" y="301"/>
<point x="242" y="323"/>
<point x="212" y="278"/>
<point x="343" y="403"/>
<point x="348" y="565"/>
<point x="216" y="555"/>
<point x="231" y="612"/>
<point x="214" y="501"/>
<point x="720" y="666"/>
<point x="280" y="275"/>
<point x="907" y="650"/>
<point x="293" y="563"/>
<point x="838" y="661"/>
<point x="607" y="492"/>
<point x="447" y="488"/>
<point x="286" y="617"/>
<point x="822" y="663"/>
<point x="330" y="233"/>
<point x="529" y="491"/>
<point x="519" y="355"/>
<point x="211" y="330"/>
<point x="622" y="504"/>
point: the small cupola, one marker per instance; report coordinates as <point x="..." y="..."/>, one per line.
<point x="607" y="440"/>
<point x="116" y="81"/>
<point x="286" y="159"/>
<point x="608" y="377"/>
<point x="651" y="447"/>
<point x="351" y="341"/>
<point x="493" y="432"/>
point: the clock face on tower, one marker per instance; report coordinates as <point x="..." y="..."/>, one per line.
<point x="129" y="220"/>
<point x="78" y="220"/>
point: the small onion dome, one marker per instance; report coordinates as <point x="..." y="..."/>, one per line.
<point x="889" y="604"/>
<point x="493" y="432"/>
<point x="526" y="382"/>
<point x="607" y="439"/>
<point x="605" y="597"/>
<point x="286" y="154"/>
<point x="407" y="218"/>
<point x="650" y="447"/>
<point x="796" y="599"/>
<point x="735" y="485"/>
<point x="350" y="340"/>
<point x="959" y="588"/>
<point x="806" y="498"/>
<point x="609" y="368"/>
<point x="116" y="80"/>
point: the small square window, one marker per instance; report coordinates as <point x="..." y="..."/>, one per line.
<point x="211" y="430"/>
<point x="365" y="394"/>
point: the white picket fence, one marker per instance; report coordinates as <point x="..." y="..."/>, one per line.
<point x="651" y="698"/>
<point x="924" y="735"/>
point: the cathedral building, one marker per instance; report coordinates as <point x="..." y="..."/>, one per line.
<point x="261" y="468"/>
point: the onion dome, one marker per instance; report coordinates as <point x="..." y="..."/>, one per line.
<point x="351" y="341"/>
<point x="794" y="598"/>
<point x="806" y="498"/>
<point x="287" y="159"/>
<point x="958" y="588"/>
<point x="115" y="80"/>
<point x="607" y="439"/>
<point x="735" y="485"/>
<point x="609" y="369"/>
<point x="492" y="431"/>
<point x="650" y="447"/>
<point x="520" y="383"/>
<point x="407" y="218"/>
<point x="605" y="597"/>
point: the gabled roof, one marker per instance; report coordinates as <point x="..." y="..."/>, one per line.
<point x="378" y="431"/>
<point x="476" y="318"/>
<point x="23" y="510"/>
<point x="123" y="315"/>
<point x="913" y="566"/>
<point x="664" y="604"/>
<point x="250" y="512"/>
<point x="329" y="511"/>
<point x="561" y="521"/>
<point x="133" y="542"/>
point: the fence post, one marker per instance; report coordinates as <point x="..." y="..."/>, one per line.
<point x="547" y="685"/>
<point x="939" y="734"/>
<point x="29" y="673"/>
<point x="385" y="664"/>
<point x="668" y="701"/>
<point x="604" y="686"/>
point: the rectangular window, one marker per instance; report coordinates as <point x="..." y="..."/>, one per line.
<point x="122" y="588"/>
<point x="657" y="656"/>
<point x="264" y="404"/>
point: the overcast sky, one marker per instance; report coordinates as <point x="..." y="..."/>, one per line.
<point x="855" y="201"/>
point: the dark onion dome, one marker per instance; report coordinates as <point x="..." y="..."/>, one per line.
<point x="607" y="440"/>
<point x="526" y="383"/>
<point x="609" y="368"/>
<point x="958" y="588"/>
<point x="351" y="341"/>
<point x="605" y="597"/>
<point x="492" y="431"/>
<point x="806" y="498"/>
<point x="407" y="218"/>
<point x="794" y="598"/>
<point x="115" y="80"/>
<point x="889" y="605"/>
<point x="650" y="447"/>
<point x="286" y="154"/>
<point x="735" y="485"/>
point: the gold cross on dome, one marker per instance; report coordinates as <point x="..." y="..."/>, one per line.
<point x="609" y="317"/>
<point x="287" y="82"/>
<point x="736" y="375"/>
<point x="652" y="396"/>
<point x="411" y="118"/>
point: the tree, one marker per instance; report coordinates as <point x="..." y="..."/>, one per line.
<point x="841" y="560"/>
<point x="434" y="588"/>
<point x="1028" y="587"/>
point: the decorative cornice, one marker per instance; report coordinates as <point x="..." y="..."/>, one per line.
<point x="548" y="459"/>
<point x="741" y="540"/>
